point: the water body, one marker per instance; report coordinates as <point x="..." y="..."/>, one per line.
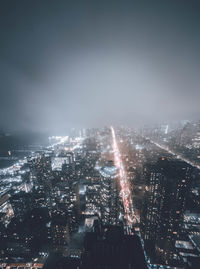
<point x="17" y="146"/>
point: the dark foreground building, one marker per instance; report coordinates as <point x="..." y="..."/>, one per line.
<point x="108" y="248"/>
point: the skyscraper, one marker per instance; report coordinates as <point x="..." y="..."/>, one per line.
<point x="60" y="229"/>
<point x="109" y="194"/>
<point x="167" y="187"/>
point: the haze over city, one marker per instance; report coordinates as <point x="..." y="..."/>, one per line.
<point x="99" y="134"/>
<point x="94" y="63"/>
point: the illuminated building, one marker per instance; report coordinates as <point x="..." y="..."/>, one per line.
<point x="60" y="229"/>
<point x="64" y="158"/>
<point x="65" y="197"/>
<point x="109" y="194"/>
<point x="93" y="200"/>
<point x="41" y="172"/>
<point x="57" y="163"/>
<point x="167" y="188"/>
<point x="6" y="209"/>
<point x="21" y="203"/>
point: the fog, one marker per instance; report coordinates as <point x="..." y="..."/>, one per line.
<point x="93" y="63"/>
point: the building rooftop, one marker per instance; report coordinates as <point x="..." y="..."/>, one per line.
<point x="109" y="171"/>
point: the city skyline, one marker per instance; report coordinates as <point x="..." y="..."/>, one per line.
<point x="99" y="197"/>
<point x="99" y="134"/>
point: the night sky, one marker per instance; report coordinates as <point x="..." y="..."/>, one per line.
<point x="94" y="63"/>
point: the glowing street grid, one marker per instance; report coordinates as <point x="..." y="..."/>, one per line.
<point x="125" y="193"/>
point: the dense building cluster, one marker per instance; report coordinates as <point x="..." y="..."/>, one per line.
<point x="69" y="206"/>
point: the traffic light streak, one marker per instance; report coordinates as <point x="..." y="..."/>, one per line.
<point x="125" y="192"/>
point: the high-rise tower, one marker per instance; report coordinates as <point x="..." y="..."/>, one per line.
<point x="167" y="188"/>
<point x="109" y="194"/>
